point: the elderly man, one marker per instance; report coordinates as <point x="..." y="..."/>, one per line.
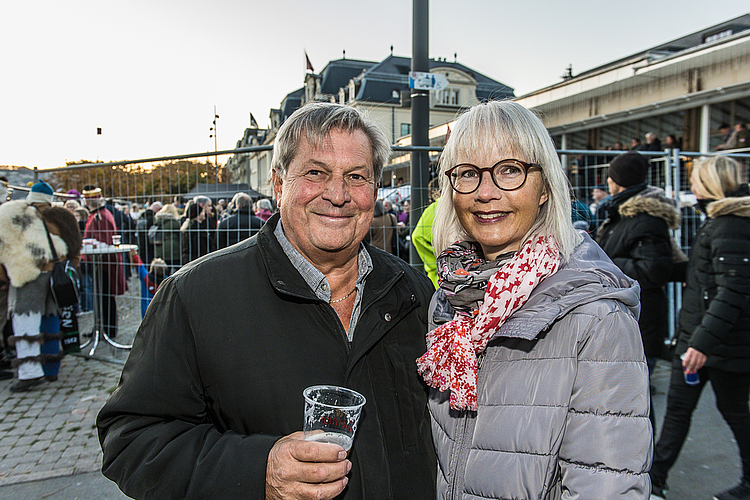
<point x="210" y="402"/>
<point x="241" y="224"/>
<point x="653" y="143"/>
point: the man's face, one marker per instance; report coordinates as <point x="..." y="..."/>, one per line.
<point x="614" y="188"/>
<point x="207" y="208"/>
<point x="327" y="199"/>
<point x="388" y="206"/>
<point x="94" y="201"/>
<point x="598" y="194"/>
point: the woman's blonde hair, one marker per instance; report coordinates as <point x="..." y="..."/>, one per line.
<point x="515" y="131"/>
<point x="171" y="210"/>
<point x="714" y="177"/>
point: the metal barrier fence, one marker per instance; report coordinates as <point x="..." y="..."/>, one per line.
<point x="152" y="201"/>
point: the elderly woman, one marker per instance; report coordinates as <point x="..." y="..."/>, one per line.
<point x="541" y="385"/>
<point x="714" y="335"/>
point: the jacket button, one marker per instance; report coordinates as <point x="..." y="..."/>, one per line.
<point x="387" y="316"/>
<point x="279" y="282"/>
<point x="414" y="298"/>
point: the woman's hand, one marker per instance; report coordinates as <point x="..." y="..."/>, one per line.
<point x="693" y="360"/>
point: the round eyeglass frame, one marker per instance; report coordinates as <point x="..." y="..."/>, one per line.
<point x="526" y="166"/>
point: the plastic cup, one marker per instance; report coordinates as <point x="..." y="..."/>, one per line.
<point x="691" y="378"/>
<point x="332" y="414"/>
<point x="116" y="240"/>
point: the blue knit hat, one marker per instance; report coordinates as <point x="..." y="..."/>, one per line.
<point x="41" y="192"/>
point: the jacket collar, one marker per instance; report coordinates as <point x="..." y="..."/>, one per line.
<point x="286" y="279"/>
<point x="381" y="306"/>
<point x="589" y="275"/>
<point x="737" y="203"/>
<point x="648" y="200"/>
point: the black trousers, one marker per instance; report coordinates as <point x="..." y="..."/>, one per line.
<point x="731" y="389"/>
<point x="108" y="307"/>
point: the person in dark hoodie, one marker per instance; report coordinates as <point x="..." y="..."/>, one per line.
<point x="636" y="237"/>
<point x="714" y="334"/>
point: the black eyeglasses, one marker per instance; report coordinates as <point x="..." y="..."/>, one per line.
<point x="508" y="175"/>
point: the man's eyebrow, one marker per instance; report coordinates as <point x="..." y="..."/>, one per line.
<point x="314" y="162"/>
<point x="318" y="163"/>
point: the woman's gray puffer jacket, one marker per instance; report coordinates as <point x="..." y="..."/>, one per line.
<point x="563" y="395"/>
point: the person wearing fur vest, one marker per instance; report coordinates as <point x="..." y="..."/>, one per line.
<point x="27" y="260"/>
<point x="636" y="236"/>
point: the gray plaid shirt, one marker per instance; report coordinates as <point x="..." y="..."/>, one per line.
<point x="318" y="282"/>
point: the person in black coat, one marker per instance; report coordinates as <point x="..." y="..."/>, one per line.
<point x="653" y="143"/>
<point x="143" y="224"/>
<point x="240" y="225"/>
<point x="636" y="237"/>
<point x="714" y="334"/>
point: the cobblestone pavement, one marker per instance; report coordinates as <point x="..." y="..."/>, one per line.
<point x="50" y="431"/>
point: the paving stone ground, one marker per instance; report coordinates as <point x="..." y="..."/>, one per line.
<point x="50" y="431"/>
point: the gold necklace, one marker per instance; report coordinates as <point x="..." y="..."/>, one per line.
<point x="344" y="297"/>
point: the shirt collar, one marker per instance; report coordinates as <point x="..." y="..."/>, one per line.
<point x="316" y="280"/>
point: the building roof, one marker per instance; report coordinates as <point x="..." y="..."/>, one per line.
<point x="713" y="34"/>
<point x="337" y="73"/>
<point x="380" y="80"/>
<point x="291" y="102"/>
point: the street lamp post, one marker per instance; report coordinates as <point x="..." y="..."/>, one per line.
<point x="214" y="133"/>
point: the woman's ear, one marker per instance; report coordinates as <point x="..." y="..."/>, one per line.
<point x="544" y="196"/>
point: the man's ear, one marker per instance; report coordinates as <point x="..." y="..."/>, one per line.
<point x="277" y="183"/>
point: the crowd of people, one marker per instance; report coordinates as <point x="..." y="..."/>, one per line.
<point x="516" y="366"/>
<point x="167" y="237"/>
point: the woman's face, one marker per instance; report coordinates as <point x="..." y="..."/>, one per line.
<point x="498" y="220"/>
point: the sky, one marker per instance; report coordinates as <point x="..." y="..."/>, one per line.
<point x="150" y="72"/>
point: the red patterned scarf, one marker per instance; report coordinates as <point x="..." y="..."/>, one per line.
<point x="451" y="358"/>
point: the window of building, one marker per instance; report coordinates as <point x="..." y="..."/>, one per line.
<point x="262" y="170"/>
<point x="717" y="36"/>
<point x="448" y="97"/>
<point x="405" y="129"/>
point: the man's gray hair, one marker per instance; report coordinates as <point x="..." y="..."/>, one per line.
<point x="202" y="200"/>
<point x="512" y="130"/>
<point x="242" y="200"/>
<point x="264" y="203"/>
<point x="315" y="122"/>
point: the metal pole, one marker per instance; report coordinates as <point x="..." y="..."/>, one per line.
<point x="420" y="117"/>
<point x="216" y="148"/>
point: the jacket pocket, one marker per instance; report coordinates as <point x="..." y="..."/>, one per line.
<point x="409" y="405"/>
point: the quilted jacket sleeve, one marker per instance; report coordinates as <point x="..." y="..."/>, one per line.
<point x="607" y="447"/>
<point x="730" y="266"/>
